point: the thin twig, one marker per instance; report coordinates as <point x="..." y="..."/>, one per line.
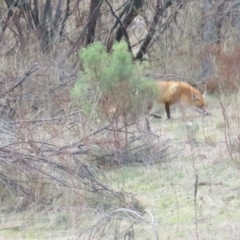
<point x="195" y="204"/>
<point x="33" y="69"/>
<point x="48" y="119"/>
<point x="116" y="215"/>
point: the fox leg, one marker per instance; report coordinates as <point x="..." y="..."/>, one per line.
<point x="167" y="109"/>
<point x="149" y="107"/>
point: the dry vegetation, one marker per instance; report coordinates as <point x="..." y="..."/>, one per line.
<point x="68" y="175"/>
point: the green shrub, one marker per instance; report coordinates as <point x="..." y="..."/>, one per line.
<point x="111" y="85"/>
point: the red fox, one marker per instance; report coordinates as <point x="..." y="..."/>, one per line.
<point x="179" y="92"/>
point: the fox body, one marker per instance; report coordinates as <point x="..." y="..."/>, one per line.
<point x="179" y="92"/>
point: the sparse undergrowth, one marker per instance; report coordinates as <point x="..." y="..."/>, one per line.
<point x="75" y="171"/>
<point x="165" y="189"/>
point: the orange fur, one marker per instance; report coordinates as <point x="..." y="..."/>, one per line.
<point x="179" y="92"/>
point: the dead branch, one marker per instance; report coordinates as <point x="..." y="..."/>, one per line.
<point x="195" y="204"/>
<point x="159" y="10"/>
<point x="85" y="176"/>
<point x="123" y="222"/>
<point x="32" y="69"/>
<point x="122" y="28"/>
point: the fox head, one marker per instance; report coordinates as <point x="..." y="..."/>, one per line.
<point x="198" y="101"/>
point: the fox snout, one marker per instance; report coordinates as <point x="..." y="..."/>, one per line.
<point x="202" y="110"/>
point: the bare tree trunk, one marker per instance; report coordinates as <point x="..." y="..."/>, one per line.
<point x="213" y="15"/>
<point x="35" y="13"/>
<point x="48" y="22"/>
<point x="65" y="18"/>
<point x="212" y="25"/>
<point x="46" y="32"/>
<point x="94" y="14"/>
<point x="235" y="20"/>
<point x="159" y="10"/>
<point x="130" y="11"/>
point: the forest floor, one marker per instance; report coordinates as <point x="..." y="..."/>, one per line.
<point x="207" y="148"/>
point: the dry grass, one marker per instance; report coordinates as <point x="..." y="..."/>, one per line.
<point x="167" y="189"/>
<point x="197" y="146"/>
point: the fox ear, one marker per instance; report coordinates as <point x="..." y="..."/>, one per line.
<point x="194" y="96"/>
